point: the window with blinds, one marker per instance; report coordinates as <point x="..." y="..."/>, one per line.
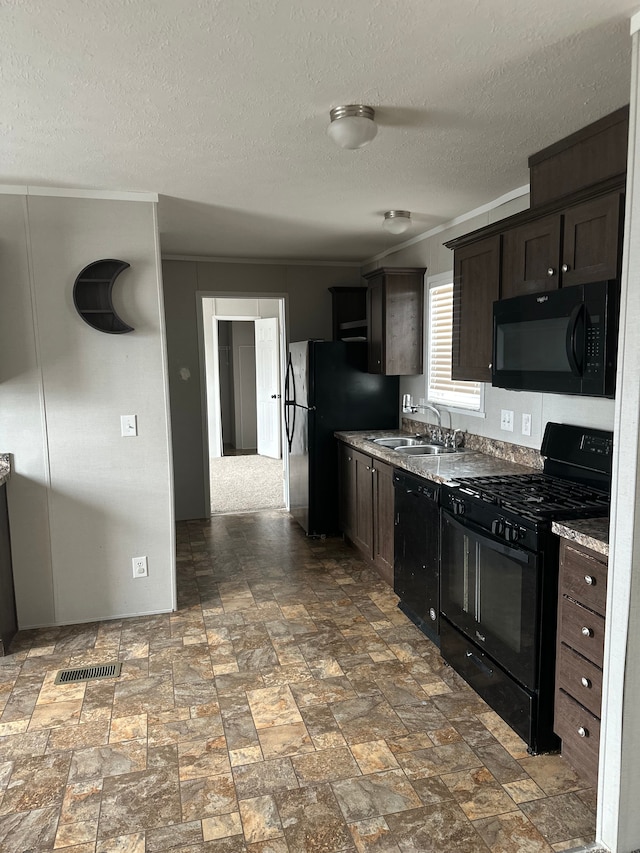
<point x="441" y="388"/>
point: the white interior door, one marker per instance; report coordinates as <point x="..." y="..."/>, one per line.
<point x="268" y="387"/>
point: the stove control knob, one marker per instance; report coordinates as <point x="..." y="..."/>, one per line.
<point x="458" y="506"/>
<point x="497" y="527"/>
<point x="511" y="532"/>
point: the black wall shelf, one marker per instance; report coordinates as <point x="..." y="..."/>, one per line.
<point x="92" y="291"/>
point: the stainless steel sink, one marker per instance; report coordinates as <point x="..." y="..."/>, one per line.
<point x="427" y="450"/>
<point x="397" y="441"/>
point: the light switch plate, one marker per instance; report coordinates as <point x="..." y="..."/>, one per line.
<point x="526" y="423"/>
<point x="128" y="425"/>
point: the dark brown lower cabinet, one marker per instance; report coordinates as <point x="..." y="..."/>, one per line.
<point x="366" y="507"/>
<point x="383" y="530"/>
<point x="581" y="626"/>
<point x="8" y="619"/>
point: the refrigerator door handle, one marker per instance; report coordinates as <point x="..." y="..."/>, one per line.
<point x="289" y="384"/>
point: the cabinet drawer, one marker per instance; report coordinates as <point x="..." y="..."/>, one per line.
<point x="580" y="679"/>
<point x="583" y="578"/>
<point x="582" y="630"/>
<point x="580" y="733"/>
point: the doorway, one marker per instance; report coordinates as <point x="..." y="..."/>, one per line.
<point x="244" y="358"/>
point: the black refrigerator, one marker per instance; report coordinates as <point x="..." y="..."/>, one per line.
<point x="327" y="388"/>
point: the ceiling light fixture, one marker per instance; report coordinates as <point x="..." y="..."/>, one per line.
<point x="396" y="221"/>
<point x="352" y="126"/>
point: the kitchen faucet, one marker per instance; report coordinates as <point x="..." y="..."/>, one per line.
<point x="433" y="434"/>
<point x="434" y="410"/>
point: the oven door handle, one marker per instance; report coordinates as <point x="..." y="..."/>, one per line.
<point x="518" y="554"/>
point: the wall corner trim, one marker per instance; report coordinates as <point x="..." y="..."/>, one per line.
<point x="635" y="23"/>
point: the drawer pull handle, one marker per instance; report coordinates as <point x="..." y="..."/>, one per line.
<point x="587" y="632"/>
<point x="589" y="580"/>
<point x="583" y="732"/>
<point x="586" y="682"/>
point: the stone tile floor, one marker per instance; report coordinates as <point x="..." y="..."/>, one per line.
<point x="287" y="706"/>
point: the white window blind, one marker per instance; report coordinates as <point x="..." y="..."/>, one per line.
<point x="441" y="388"/>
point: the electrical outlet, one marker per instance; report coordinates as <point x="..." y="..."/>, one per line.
<point x="140" y="567"/>
<point x="506" y="420"/>
<point x="526" y="423"/>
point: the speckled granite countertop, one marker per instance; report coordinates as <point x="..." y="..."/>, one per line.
<point x="591" y="532"/>
<point x="5" y="467"/>
<point x="440" y="469"/>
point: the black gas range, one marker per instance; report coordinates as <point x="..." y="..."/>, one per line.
<point x="499" y="573"/>
<point x="520" y="507"/>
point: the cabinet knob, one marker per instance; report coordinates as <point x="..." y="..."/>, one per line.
<point x="583" y="732"/>
<point x="589" y="579"/>
<point x="565" y="267"/>
<point x="586" y="682"/>
<point x="551" y="272"/>
<point x="368" y="468"/>
<point x="374" y="470"/>
<point x="587" y="632"/>
<point x="349" y="458"/>
<point x="490" y="365"/>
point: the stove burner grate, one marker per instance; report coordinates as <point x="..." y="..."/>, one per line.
<point x="537" y="495"/>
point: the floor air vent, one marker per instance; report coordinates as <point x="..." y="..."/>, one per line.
<point x="88" y="673"/>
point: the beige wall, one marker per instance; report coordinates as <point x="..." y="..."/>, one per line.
<point x="308" y="316"/>
<point x="83" y="501"/>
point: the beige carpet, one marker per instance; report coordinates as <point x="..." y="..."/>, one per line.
<point x="246" y="483"/>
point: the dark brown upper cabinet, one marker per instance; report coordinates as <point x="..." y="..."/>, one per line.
<point x="592" y="155"/>
<point x="572" y="234"/>
<point x="530" y="257"/>
<point x="476" y="285"/>
<point x="394" y="311"/>
<point x="579" y="245"/>
<point x="592" y="241"/>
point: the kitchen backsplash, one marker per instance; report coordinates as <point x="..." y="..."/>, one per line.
<point x="492" y="446"/>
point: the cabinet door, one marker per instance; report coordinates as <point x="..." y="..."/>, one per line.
<point x="362" y="531"/>
<point x="476" y="285"/>
<point x="383" y="519"/>
<point x="347" y="494"/>
<point x="592" y="241"/>
<point x="403" y="298"/>
<point x="375" y="319"/>
<point x="531" y="257"/>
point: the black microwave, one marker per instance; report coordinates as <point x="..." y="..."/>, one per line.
<point x="559" y="341"/>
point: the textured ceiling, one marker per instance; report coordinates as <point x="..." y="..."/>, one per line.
<point x="222" y="108"/>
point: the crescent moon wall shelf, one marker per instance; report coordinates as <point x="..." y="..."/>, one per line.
<point x="92" y="296"/>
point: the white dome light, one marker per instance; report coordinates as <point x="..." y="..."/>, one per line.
<point x="396" y="221"/>
<point x="352" y="126"/>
